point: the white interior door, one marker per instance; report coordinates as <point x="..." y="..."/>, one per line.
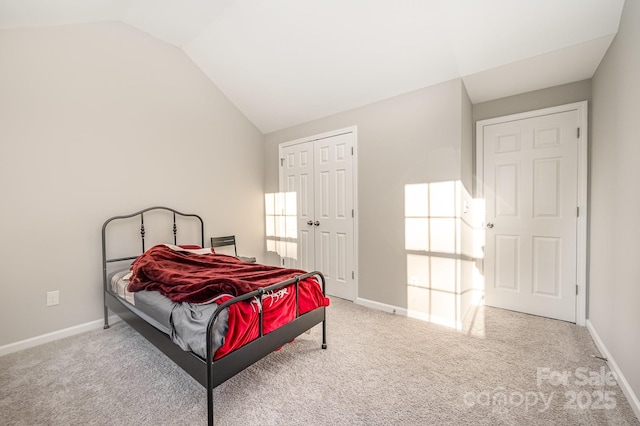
<point x="531" y="194"/>
<point x="320" y="172"/>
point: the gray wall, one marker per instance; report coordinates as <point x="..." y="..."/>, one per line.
<point x="98" y="120"/>
<point x="412" y="138"/>
<point x="538" y="99"/>
<point x="615" y="198"/>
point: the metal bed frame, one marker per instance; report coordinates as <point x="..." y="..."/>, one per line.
<point x="209" y="372"/>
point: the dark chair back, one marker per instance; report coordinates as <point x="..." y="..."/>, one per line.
<point x="229" y="240"/>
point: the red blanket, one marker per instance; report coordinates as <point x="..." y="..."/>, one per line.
<point x="184" y="276"/>
<point x="188" y="277"/>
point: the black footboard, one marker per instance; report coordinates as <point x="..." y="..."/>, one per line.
<point x="220" y="370"/>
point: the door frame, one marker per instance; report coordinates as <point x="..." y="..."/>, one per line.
<point x="325" y="135"/>
<point x="583" y="173"/>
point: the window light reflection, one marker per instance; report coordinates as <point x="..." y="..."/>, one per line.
<point x="281" y="223"/>
<point x="441" y="244"/>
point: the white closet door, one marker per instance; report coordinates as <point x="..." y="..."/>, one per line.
<point x="320" y="173"/>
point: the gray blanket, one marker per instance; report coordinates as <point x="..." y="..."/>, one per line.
<point x="189" y="326"/>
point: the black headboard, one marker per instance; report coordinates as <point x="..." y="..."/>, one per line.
<point x="141" y="213"/>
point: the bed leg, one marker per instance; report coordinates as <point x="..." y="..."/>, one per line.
<point x="209" y="405"/>
<point x="106" y="318"/>
<point x="324" y="334"/>
<point x="209" y="382"/>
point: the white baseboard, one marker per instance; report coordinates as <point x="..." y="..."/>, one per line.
<point x="381" y="306"/>
<point x="407" y="313"/>
<point x="55" y="335"/>
<point x="622" y="381"/>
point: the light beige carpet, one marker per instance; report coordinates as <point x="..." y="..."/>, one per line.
<point x="379" y="369"/>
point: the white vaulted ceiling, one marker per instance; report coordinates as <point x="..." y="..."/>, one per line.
<point x="284" y="62"/>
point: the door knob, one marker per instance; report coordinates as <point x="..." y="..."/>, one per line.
<point x="309" y="223"/>
<point x="316" y="223"/>
<point x="489" y="225"/>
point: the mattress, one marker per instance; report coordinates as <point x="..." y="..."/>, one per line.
<point x="185" y="323"/>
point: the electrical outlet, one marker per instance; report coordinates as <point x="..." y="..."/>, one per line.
<point x="53" y="298"/>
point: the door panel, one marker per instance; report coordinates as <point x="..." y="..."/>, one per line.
<point x="546" y="187"/>
<point x="506" y="190"/>
<point x="547" y="258"/>
<point x="506" y="260"/>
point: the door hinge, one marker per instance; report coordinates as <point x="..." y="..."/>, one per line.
<point x="281" y="162"/>
<point x="353" y="214"/>
<point x="576" y="289"/>
<point x="578" y="132"/>
<point x="577" y="211"/>
<point x="353" y="275"/>
<point x="351" y="150"/>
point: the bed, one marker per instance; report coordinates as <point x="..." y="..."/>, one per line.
<point x="213" y="315"/>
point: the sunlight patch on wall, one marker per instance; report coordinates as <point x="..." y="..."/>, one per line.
<point x="442" y="254"/>
<point x="281" y="223"/>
